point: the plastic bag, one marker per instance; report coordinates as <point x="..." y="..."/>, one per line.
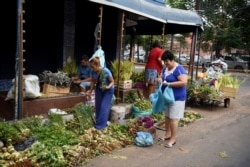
<point x="158" y="101"/>
<point x="99" y="53"/>
<point x="168" y="94"/>
<point x="140" y="113"/>
<point x="143" y="139"/>
<point x="31" y="85"/>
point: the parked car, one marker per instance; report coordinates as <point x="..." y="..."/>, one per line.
<point x="205" y="61"/>
<point x="183" y="58"/>
<point x="196" y="61"/>
<point x="141" y="58"/>
<point x="234" y="63"/>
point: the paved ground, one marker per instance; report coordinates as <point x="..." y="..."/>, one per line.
<point x="222" y="132"/>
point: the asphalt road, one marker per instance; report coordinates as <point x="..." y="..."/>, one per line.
<point x="220" y="139"/>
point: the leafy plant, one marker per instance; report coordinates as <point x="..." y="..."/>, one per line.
<point x="126" y="69"/>
<point x="70" y="68"/>
<point x="59" y="78"/>
<point x="8" y="132"/>
<point x="143" y="104"/>
<point x="138" y="76"/>
<point x="131" y="97"/>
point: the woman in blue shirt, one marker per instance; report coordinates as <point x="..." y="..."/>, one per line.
<point x="103" y="83"/>
<point x="174" y="75"/>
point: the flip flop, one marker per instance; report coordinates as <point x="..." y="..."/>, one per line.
<point x="163" y="138"/>
<point x="170" y="145"/>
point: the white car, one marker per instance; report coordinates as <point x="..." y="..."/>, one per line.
<point x="183" y="58"/>
<point x="141" y="58"/>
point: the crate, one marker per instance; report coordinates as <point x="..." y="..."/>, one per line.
<point x="229" y="92"/>
<point x="50" y="90"/>
<point x="127" y="84"/>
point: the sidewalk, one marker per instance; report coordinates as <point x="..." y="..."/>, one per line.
<point x="222" y="132"/>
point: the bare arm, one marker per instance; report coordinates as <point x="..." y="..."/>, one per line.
<point x="182" y="81"/>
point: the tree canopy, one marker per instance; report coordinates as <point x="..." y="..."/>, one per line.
<point x="226" y="22"/>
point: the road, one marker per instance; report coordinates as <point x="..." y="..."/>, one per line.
<point x="220" y="139"/>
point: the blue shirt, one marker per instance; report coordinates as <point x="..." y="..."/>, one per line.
<point x="98" y="78"/>
<point x="84" y="72"/>
<point x="180" y="93"/>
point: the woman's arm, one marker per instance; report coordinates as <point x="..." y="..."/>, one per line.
<point x="182" y="81"/>
<point x="111" y="83"/>
<point x="92" y="86"/>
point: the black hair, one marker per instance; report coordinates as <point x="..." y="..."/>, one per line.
<point x="85" y="57"/>
<point x="167" y="55"/>
<point x="156" y="44"/>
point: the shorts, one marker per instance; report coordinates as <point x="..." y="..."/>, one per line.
<point x="151" y="76"/>
<point x="175" y="110"/>
<point x="85" y="85"/>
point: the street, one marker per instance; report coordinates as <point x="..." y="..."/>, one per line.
<point x="220" y="139"/>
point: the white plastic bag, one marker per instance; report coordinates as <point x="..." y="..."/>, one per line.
<point x="99" y="53"/>
<point x="31" y="88"/>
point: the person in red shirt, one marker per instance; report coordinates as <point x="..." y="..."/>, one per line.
<point x="153" y="66"/>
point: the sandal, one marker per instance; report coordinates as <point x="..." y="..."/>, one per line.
<point x="170" y="145"/>
<point x="163" y="138"/>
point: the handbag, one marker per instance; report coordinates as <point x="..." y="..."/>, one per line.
<point x="158" y="101"/>
<point x="168" y="94"/>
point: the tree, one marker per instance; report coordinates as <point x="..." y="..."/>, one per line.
<point x="226" y="22"/>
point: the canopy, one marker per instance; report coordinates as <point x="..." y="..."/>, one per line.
<point x="158" y="12"/>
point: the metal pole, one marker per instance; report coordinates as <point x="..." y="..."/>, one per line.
<point x="192" y="53"/>
<point x="120" y="54"/>
<point x="180" y="52"/>
<point x="19" y="64"/>
<point x="200" y="39"/>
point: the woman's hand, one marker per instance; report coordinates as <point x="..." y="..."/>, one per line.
<point x="89" y="93"/>
<point x="159" y="80"/>
<point x="105" y="87"/>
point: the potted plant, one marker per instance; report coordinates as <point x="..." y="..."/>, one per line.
<point x="55" y="84"/>
<point x="124" y="72"/>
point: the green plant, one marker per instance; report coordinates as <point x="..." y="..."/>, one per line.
<point x="59" y="78"/>
<point x="143" y="104"/>
<point x="70" y="68"/>
<point x="126" y="69"/>
<point x="138" y="76"/>
<point x="131" y="97"/>
<point x="8" y="132"/>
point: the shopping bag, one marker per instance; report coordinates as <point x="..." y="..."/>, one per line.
<point x="168" y="94"/>
<point x="158" y="101"/>
<point x="143" y="139"/>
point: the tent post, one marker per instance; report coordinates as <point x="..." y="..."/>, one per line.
<point x="19" y="62"/>
<point x="120" y="54"/>
<point x="192" y="54"/>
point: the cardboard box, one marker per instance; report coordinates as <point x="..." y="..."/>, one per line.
<point x="127" y="84"/>
<point x="50" y="90"/>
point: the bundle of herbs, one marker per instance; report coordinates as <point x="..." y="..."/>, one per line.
<point x="59" y="78"/>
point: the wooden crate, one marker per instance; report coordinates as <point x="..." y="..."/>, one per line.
<point x="229" y="92"/>
<point x="50" y="90"/>
<point x="127" y="84"/>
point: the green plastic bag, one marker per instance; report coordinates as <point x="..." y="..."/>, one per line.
<point x="140" y="113"/>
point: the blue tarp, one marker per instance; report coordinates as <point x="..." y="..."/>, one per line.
<point x="156" y="11"/>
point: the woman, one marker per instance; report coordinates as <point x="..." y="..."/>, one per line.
<point x="103" y="83"/>
<point x="153" y="67"/>
<point x="173" y="75"/>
